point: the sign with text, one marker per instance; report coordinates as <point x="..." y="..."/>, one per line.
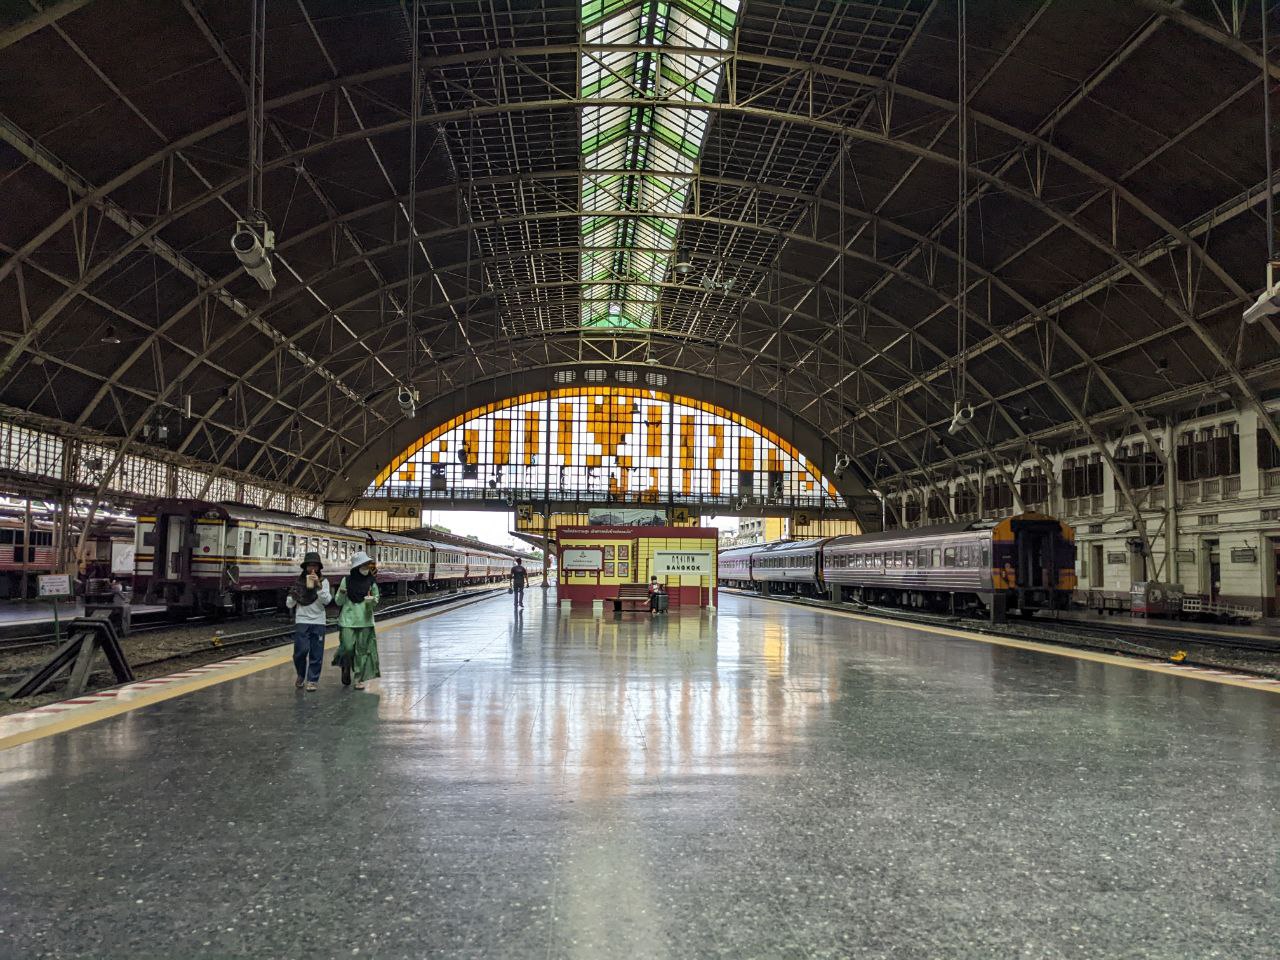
<point x="577" y="558"/>
<point x="54" y="584"/>
<point x="682" y="563"/>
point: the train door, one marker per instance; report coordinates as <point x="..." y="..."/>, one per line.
<point x="171" y="547"/>
<point x="1035" y="557"/>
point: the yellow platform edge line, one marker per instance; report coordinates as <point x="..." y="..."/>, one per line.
<point x="1231" y="680"/>
<point x="92" y="713"/>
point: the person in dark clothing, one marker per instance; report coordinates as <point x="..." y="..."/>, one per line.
<point x="519" y="576"/>
<point x="654" y="591"/>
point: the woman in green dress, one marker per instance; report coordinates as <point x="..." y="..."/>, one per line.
<point x="357" y="598"/>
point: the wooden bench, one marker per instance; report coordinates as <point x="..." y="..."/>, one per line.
<point x="632" y="596"/>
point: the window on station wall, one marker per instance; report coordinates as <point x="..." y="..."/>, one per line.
<point x="1141" y="468"/>
<point x="34" y="452"/>
<point x="911" y="510"/>
<point x="1268" y="452"/>
<point x="1033" y="486"/>
<point x="1082" y="476"/>
<point x="997" y="495"/>
<point x="1210" y="452"/>
<point x="937" y="508"/>
<point x="608" y="444"/>
<point x="965" y="500"/>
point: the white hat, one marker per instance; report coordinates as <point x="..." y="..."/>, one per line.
<point x="359" y="560"/>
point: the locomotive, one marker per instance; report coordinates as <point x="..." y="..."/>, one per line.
<point x="1023" y="563"/>
<point x="211" y="558"/>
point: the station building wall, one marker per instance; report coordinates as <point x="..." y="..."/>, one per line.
<point x="1218" y="538"/>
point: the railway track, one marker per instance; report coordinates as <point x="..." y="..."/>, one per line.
<point x="224" y="644"/>
<point x="1146" y="643"/>
<point x="152" y="621"/>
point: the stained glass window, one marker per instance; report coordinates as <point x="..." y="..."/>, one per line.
<point x="606" y="444"/>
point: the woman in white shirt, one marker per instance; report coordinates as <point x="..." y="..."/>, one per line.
<point x="308" y="596"/>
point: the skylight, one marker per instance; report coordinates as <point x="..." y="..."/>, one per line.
<point x="637" y="156"/>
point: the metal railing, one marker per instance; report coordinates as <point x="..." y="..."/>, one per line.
<point x="508" y="496"/>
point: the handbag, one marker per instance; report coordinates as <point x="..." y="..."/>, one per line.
<point x="511" y="589"/>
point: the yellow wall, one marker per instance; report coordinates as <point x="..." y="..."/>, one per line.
<point x="649" y="545"/>
<point x="814" y="528"/>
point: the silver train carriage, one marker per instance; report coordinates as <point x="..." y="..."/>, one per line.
<point x="1024" y="563"/>
<point x="196" y="556"/>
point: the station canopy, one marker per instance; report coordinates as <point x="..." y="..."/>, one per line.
<point x="821" y="205"/>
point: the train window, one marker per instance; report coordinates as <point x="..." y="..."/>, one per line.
<point x="897" y="559"/>
<point x="263" y="545"/>
<point x="291" y="549"/>
<point x="277" y="544"/>
<point x="42" y="539"/>
<point x="949" y="557"/>
<point x="986" y="556"/>
<point x="6" y="536"/>
<point x="246" y="545"/>
<point x="935" y="558"/>
<point x="911" y="559"/>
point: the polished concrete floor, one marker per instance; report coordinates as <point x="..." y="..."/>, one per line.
<point x="767" y="782"/>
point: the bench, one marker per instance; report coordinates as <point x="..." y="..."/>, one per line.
<point x="632" y="596"/>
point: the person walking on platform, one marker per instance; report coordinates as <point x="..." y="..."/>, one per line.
<point x="519" y="576"/>
<point x="307" y="598"/>
<point x="357" y="598"/>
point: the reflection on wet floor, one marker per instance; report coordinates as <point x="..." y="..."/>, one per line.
<point x="764" y="781"/>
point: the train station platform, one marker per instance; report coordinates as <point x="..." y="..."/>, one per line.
<point x="764" y="781"/>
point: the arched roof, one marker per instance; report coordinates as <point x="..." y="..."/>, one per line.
<point x="801" y="158"/>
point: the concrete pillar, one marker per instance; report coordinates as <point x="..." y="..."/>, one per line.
<point x="1111" y="497"/>
<point x="1250" y="475"/>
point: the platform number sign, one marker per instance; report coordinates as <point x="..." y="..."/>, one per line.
<point x="679" y="515"/>
<point x="524" y="516"/>
<point x="802" y="519"/>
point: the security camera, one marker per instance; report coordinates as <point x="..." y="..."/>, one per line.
<point x="961" y="418"/>
<point x="842" y="462"/>
<point x="254" y="252"/>
<point x="1267" y="305"/>
<point x="408" y="400"/>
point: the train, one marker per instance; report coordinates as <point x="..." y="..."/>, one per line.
<point x="1021" y="564"/>
<point x="197" y="557"/>
<point x="27" y="546"/>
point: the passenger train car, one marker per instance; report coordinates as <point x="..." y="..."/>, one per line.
<point x="216" y="557"/>
<point x="1024" y="563"/>
<point x="23" y="549"/>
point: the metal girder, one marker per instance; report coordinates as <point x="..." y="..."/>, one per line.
<point x="789" y="118"/>
<point x="807" y="70"/>
<point x="536" y="377"/>
<point x="38" y="21"/>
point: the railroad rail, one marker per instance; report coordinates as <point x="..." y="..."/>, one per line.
<point x="1133" y="640"/>
<point x="281" y="634"/>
